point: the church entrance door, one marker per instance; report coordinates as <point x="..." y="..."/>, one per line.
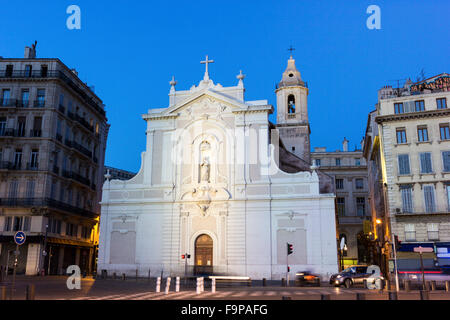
<point x="203" y="255"/>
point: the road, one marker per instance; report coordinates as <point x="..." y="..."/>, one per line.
<point x="55" y="288"/>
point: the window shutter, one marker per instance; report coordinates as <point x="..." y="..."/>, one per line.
<point x="429" y="198"/>
<point x="407" y="200"/>
<point x="403" y="164"/>
<point x="446" y="159"/>
<point x="425" y="163"/>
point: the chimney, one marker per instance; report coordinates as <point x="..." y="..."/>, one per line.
<point x="30" y="53"/>
<point x="345" y="145"/>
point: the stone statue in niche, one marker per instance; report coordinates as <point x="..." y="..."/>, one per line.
<point x="205" y="170"/>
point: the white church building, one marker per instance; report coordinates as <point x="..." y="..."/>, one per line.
<point x="220" y="184"/>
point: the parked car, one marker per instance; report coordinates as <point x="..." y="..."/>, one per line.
<point x="307" y="278"/>
<point x="351" y="276"/>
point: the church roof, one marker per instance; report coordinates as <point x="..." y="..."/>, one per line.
<point x="291" y="76"/>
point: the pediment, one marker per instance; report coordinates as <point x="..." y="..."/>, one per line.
<point x="206" y="100"/>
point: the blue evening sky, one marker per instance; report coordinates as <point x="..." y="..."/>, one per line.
<point x="130" y="50"/>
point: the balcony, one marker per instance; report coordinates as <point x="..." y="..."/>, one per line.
<point x="39" y="104"/>
<point x="46" y="202"/>
<point x="35" y="133"/>
<point x="7" y="132"/>
<point x="82" y="149"/>
<point x="22" y="74"/>
<point x="75" y="176"/>
<point x="8" y="103"/>
<point x="32" y="166"/>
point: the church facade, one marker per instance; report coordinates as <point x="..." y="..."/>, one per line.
<point x="222" y="185"/>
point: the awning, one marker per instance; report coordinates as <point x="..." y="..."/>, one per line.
<point x="409" y="247"/>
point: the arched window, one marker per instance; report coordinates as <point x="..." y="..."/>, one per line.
<point x="291" y="104"/>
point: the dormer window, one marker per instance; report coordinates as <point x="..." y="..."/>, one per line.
<point x="291" y="104"/>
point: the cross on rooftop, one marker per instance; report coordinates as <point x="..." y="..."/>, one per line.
<point x="206" y="62"/>
<point x="291" y="49"/>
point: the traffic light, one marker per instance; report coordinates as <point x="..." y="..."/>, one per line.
<point x="289" y="269"/>
<point x="398" y="244"/>
<point x="290" y="248"/>
<point x="188" y="256"/>
<point x="183" y="256"/>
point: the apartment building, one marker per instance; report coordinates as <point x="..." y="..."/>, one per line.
<point x="53" y="132"/>
<point x="349" y="171"/>
<point x="414" y="143"/>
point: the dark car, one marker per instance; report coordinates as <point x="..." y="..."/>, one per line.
<point x="350" y="276"/>
<point x="307" y="278"/>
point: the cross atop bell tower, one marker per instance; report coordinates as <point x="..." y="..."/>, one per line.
<point x="206" y="62"/>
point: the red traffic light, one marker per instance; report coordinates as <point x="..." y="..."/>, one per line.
<point x="290" y="248"/>
<point x="183" y="256"/>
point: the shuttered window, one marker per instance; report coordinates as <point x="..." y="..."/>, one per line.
<point x="425" y="163"/>
<point x="446" y="160"/>
<point x="410" y="232"/>
<point x="433" y="231"/>
<point x="403" y="164"/>
<point x="430" y="204"/>
<point x="407" y="199"/>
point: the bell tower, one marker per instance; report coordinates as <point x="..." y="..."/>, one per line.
<point x="292" y="112"/>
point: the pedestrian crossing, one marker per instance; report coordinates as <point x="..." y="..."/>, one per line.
<point x="227" y="294"/>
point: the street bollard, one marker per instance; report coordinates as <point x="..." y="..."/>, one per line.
<point x="30" y="293"/>
<point x="264" y="282"/>
<point x="286" y="298"/>
<point x="249" y="283"/>
<point x="3" y="294"/>
<point x="424" y="295"/>
<point x="114" y="276"/>
<point x="136" y="274"/>
<point x="407" y="285"/>
<point x="213" y="285"/>
<point x="365" y="283"/>
<point x="123" y="276"/>
<point x="167" y="285"/>
<point x="177" y="284"/>
<point x="283" y="282"/>
<point x="433" y="285"/>
<point x="158" y="284"/>
<point x="198" y="286"/>
<point x="324" y="297"/>
<point x="393" y="295"/>
<point x="148" y="274"/>
<point x="360" y="296"/>
<point x="447" y="286"/>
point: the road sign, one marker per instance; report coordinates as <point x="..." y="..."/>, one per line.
<point x="422" y="249"/>
<point x="19" y="238"/>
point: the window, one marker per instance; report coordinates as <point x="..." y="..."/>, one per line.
<point x="25" y="98"/>
<point x="359" y="183"/>
<point x="37" y="127"/>
<point x="441" y="103"/>
<point x="34" y="160"/>
<point x="339" y="183"/>
<point x="61" y="100"/>
<point x="21" y="124"/>
<point x="357" y="161"/>
<point x="425" y="163"/>
<point x="2" y="126"/>
<point x="403" y="164"/>
<point x="28" y="69"/>
<point x="40" y="98"/>
<point x="430" y="205"/>
<point x="433" y="231"/>
<point x="44" y="70"/>
<point x="398" y="108"/>
<point x="360" y="207"/>
<point x="26" y="224"/>
<point x="13" y="188"/>
<point x="9" y="70"/>
<point x="422" y="134"/>
<point x="446" y="160"/>
<point x="338" y="162"/>
<point x="5" y="97"/>
<point x="401" y="136"/>
<point x="448" y="196"/>
<point x="18" y="159"/>
<point x="85" y="232"/>
<point x="17" y="224"/>
<point x="7" y="226"/>
<point x="318" y="162"/>
<point x="407" y="203"/>
<point x="410" y="232"/>
<point x="420" y="105"/>
<point x="340" y="206"/>
<point x="71" y="230"/>
<point x="30" y="188"/>
<point x="291" y="104"/>
<point x="293" y="149"/>
<point x="445" y="131"/>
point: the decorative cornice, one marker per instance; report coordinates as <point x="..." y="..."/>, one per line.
<point x="413" y="115"/>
